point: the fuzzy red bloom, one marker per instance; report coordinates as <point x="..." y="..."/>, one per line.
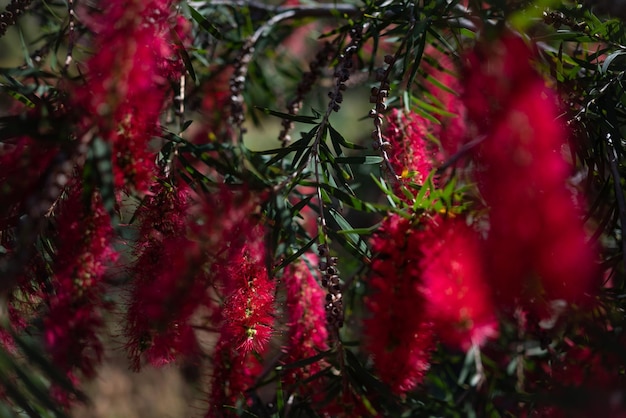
<point x="236" y="245"/>
<point x="169" y="282"/>
<point x="83" y="250"/>
<point x="234" y="372"/>
<point x="127" y="82"/>
<point x="454" y="285"/>
<point x="536" y="249"/>
<point x="410" y="154"/>
<point x="399" y="334"/>
<point x="249" y="308"/>
<point x="306" y="319"/>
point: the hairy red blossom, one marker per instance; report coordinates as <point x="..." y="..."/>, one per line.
<point x="126" y="84"/>
<point x="169" y="281"/>
<point x="234" y="372"/>
<point x="83" y="251"/>
<point x="536" y="248"/>
<point x="236" y="243"/>
<point x="226" y="221"/>
<point x="306" y="319"/>
<point x="169" y="286"/>
<point x="454" y="284"/>
<point x="399" y="334"/>
<point x="249" y="306"/>
<point x="496" y="73"/>
<point x="410" y="154"/>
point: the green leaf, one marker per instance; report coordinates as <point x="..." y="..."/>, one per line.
<point x="611" y="58"/>
<point x="18" y="96"/>
<point x="368" y="159"/>
<point x="354" y="239"/>
<point x="303" y="363"/>
<point x="421" y="28"/>
<point x="363" y="376"/>
<point x="36" y="357"/>
<point x="303" y="154"/>
<point x="301" y="204"/>
<point x="344" y="197"/>
<point x="294" y="256"/>
<point x="182" y="52"/>
<point x="205" y="24"/>
<point x="433" y="109"/>
<point x="295" y="118"/>
<point x="186" y="125"/>
<point x="360" y="231"/>
<point x="382" y="185"/>
<point x="339" y="139"/>
<point x="35" y="388"/>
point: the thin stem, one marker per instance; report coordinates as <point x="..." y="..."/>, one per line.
<point x="619" y="194"/>
<point x="304" y="10"/>
<point x="247" y="52"/>
<point x="71" y="35"/>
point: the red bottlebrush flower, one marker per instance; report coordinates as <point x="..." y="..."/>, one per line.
<point x="454" y="285"/>
<point x="410" y="154"/>
<point x="306" y="319"/>
<point x="495" y="74"/>
<point x="169" y="281"/>
<point x="127" y="83"/>
<point x="234" y="372"/>
<point x="247" y="316"/>
<point x="83" y="250"/>
<point x="536" y="248"/>
<point x="170" y="284"/>
<point x="249" y="307"/>
<point x="226" y="221"/>
<point x="399" y="334"/>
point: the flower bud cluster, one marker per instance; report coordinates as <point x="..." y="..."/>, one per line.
<point x="237" y="84"/>
<point x="330" y="281"/>
<point x="13" y="10"/>
<point x="344" y="68"/>
<point x="378" y="95"/>
<point x="304" y="86"/>
<point x="556" y="18"/>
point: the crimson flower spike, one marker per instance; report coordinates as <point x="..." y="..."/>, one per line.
<point x="536" y="249"/>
